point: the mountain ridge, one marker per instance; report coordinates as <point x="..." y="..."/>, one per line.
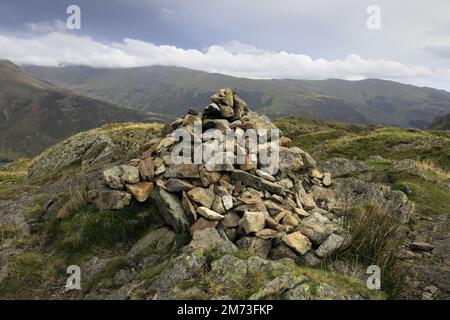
<point x="172" y="90"/>
<point x="35" y="113"/>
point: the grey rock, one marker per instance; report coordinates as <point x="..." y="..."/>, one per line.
<point x="259" y="246"/>
<point x="210" y="238"/>
<point x="330" y="245"/>
<point x="171" y="210"/>
<point x="178" y="185"/>
<point x="256" y="182"/>
<point x="161" y="239"/>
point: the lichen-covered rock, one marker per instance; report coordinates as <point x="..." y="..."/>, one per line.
<point x="351" y="192"/>
<point x="209" y="238"/>
<point x="277" y="286"/>
<point x="229" y="270"/>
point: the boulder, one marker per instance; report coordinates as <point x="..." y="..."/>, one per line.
<point x="326" y="181"/>
<point x="282" y="251"/>
<point x="146" y="169"/>
<point x="203" y="223"/>
<point x="317" y="227"/>
<point x="258" y="246"/>
<point x="209" y="238"/>
<point x="178" y="185"/>
<point x="231" y="220"/>
<point x="291" y="160"/>
<point x="117" y="176"/>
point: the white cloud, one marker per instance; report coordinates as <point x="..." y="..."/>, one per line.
<point x="46" y="26"/>
<point x="235" y="58"/>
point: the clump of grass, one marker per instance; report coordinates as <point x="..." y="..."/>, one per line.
<point x="90" y="228"/>
<point x="77" y="194"/>
<point x="375" y="242"/>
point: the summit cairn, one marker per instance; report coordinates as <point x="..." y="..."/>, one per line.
<point x="227" y="177"/>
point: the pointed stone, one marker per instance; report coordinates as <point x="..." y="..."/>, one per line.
<point x="209" y="214"/>
<point x="188" y="207"/>
<point x="146" y="169"/>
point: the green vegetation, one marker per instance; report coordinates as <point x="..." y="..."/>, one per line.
<point x="441" y="123"/>
<point x="374" y="241"/>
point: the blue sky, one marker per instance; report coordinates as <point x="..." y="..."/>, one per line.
<point x="253" y="38"/>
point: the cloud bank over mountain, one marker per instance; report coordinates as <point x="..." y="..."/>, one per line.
<point x="58" y="48"/>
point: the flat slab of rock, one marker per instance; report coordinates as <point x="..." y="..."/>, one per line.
<point x="182" y="171"/>
<point x="421" y="246"/>
<point x="210" y="238"/>
<point x="159" y="239"/>
<point x="256" y="182"/>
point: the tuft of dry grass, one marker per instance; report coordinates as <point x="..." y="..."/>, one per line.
<point x="375" y="241"/>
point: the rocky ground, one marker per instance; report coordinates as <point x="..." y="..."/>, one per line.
<point x="141" y="227"/>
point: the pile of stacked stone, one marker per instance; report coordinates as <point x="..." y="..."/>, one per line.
<point x="274" y="215"/>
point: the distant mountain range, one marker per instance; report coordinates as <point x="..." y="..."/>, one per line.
<point x="35" y="114"/>
<point x="172" y="90"/>
<point x="40" y="106"/>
